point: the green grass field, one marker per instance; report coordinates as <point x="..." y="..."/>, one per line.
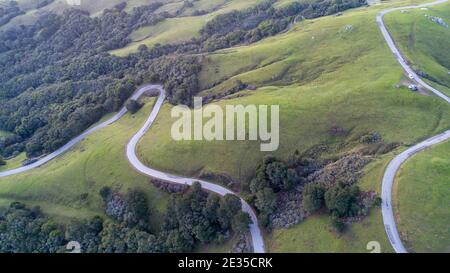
<point x="3" y="133"/>
<point x="422" y="200"/>
<point x="69" y="185"/>
<point x="423" y="41"/>
<point x="322" y="73"/>
<point x="14" y="162"/>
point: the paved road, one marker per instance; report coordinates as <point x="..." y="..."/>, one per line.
<point x="77" y="139"/>
<point x="395" y="164"/>
<point x="257" y="238"/>
<point x="397" y="53"/>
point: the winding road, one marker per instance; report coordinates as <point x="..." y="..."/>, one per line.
<point x="393" y="167"/>
<point x="256" y="235"/>
<point x="257" y="239"/>
<point x="255" y="231"/>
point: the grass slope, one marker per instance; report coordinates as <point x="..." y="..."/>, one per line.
<point x="422" y="199"/>
<point x="71" y="183"/>
<point x="59" y="6"/>
<point x="3" y="133"/>
<point x="14" y="162"/>
<point x="324" y="72"/>
<point x="184" y="27"/>
<point x="339" y="79"/>
<point x="423" y="41"/>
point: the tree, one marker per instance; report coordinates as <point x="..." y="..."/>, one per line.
<point x="133" y="106"/>
<point x="105" y="192"/>
<point x="337" y="224"/>
<point x="277" y="175"/>
<point x="2" y="161"/>
<point x="341" y="200"/>
<point x="175" y="242"/>
<point x="259" y="182"/>
<point x="142" y="48"/>
<point x="137" y="208"/>
<point x="292" y="179"/>
<point x="313" y="197"/>
<point x="266" y="201"/>
<point x="230" y="205"/>
<point x="212" y="207"/>
<point x="241" y="222"/>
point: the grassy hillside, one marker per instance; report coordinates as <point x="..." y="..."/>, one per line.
<point x="3" y="133"/>
<point x="422" y="41"/>
<point x="321" y="76"/>
<point x="14" y="162"/>
<point x="333" y="71"/>
<point x="71" y="183"/>
<point x="59" y="6"/>
<point x="183" y="27"/>
<point x="422" y="200"/>
<point x="324" y="73"/>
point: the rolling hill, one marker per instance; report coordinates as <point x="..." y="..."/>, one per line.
<point x="326" y="74"/>
<point x="332" y="71"/>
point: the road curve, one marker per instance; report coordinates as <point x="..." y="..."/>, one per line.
<point x="396" y="51"/>
<point x="257" y="239"/>
<point x="388" y="181"/>
<point x="393" y="167"/>
<point x="75" y="140"/>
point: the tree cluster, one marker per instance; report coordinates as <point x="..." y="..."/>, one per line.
<point x="197" y="216"/>
<point x="27" y="230"/>
<point x="281" y="187"/>
<point x="193" y="217"/>
<point x="340" y="199"/>
<point x="263" y="20"/>
<point x="272" y="178"/>
<point x="8" y="11"/>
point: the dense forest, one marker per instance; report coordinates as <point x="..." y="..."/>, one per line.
<point x="193" y="217"/>
<point x="58" y="78"/>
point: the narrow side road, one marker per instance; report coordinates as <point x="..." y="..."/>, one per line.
<point x="393" y="167"/>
